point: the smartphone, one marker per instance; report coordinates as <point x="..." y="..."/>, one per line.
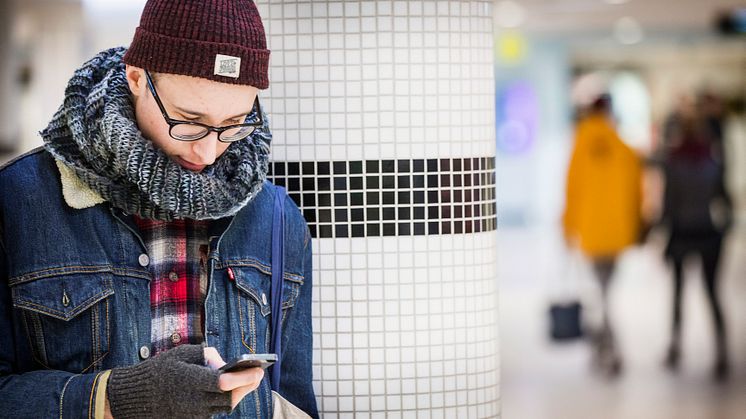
<point x="247" y="361"/>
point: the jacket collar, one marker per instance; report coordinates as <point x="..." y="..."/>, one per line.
<point x="76" y="193"/>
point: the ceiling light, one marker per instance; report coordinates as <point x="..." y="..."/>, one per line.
<point x="628" y="31"/>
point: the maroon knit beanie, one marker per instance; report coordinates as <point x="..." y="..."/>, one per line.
<point x="221" y="40"/>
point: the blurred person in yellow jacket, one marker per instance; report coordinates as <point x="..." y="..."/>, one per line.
<point x="603" y="210"/>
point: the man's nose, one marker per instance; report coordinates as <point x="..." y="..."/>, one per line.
<point x="206" y="149"/>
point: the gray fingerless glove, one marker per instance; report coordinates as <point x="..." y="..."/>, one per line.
<point x="174" y="384"/>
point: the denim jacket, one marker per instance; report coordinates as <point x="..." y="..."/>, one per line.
<point x="75" y="298"/>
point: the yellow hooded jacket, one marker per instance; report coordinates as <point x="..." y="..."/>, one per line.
<point x="604" y="190"/>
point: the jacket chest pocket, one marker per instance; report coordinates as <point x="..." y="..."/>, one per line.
<point x="66" y="319"/>
<point x="254" y="300"/>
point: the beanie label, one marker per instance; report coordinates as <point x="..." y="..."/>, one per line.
<point x="228" y="66"/>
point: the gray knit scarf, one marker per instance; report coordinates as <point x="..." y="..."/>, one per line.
<point x="95" y="133"/>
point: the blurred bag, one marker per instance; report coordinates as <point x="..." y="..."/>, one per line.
<point x="566" y="321"/>
<point x="283" y="409"/>
<point x="566" y="311"/>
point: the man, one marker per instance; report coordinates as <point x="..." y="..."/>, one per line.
<point x="136" y="244"/>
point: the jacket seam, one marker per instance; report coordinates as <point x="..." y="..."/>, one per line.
<point x="75" y="269"/>
<point x="35" y="352"/>
<point x="243" y="331"/>
<point x="253" y="263"/>
<point x="21" y="157"/>
<point x="62" y="394"/>
<point x="22" y="303"/>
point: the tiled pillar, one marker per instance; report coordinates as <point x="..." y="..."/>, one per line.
<point x="8" y="77"/>
<point x="383" y="119"/>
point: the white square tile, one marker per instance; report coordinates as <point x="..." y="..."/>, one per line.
<point x="329" y="403"/>
<point x="384" y="24"/>
<point x="336" y="41"/>
<point x="345" y="371"/>
<point x="337" y="104"/>
<point x="275" y="11"/>
<point x="423" y="369"/>
<point x="337" y="60"/>
<point x="377" y="386"/>
<point x="345" y="403"/>
<point x="352" y="8"/>
<point x="361" y="387"/>
<point x="353" y="88"/>
<point x="335" y="8"/>
<point x="290" y="26"/>
<point x="368" y="24"/>
<point x="385" y="115"/>
<point x="328" y="387"/>
<point x="368" y="8"/>
<point x="393" y="402"/>
<point x="353" y="58"/>
<point x="359" y="340"/>
<point x="303" y="10"/>
<point x="352" y="24"/>
<point x="391" y="323"/>
<point x="321" y="120"/>
<point x="328" y="340"/>
<point x="375" y="324"/>
<point x="401" y="24"/>
<point x="319" y="9"/>
<point x="290" y="43"/>
<point x="384" y="7"/>
<point x="385" y="55"/>
<point x="407" y="370"/>
<point x="336" y="25"/>
<point x="385" y="39"/>
<point x="328" y="357"/>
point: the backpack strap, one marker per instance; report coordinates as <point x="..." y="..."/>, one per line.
<point x="278" y="268"/>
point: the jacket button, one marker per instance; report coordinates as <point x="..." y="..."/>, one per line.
<point x="175" y="338"/>
<point x="144" y="352"/>
<point x="173" y="276"/>
<point x="144" y="260"/>
<point x="264" y="299"/>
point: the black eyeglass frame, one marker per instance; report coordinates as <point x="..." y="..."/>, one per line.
<point x="176" y="122"/>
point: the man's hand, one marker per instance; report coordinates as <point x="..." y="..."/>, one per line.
<point x="239" y="383"/>
<point x="181" y="382"/>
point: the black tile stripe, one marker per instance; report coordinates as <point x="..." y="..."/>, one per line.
<point x="392" y="197"/>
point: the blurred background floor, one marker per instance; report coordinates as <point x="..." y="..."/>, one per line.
<point x="545" y="380"/>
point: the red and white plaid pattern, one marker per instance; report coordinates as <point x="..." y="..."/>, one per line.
<point x="178" y="255"/>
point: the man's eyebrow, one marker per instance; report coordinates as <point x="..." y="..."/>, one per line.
<point x="188" y="112"/>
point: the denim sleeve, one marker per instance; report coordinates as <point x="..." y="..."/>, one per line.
<point x="36" y="394"/>
<point x="296" y="378"/>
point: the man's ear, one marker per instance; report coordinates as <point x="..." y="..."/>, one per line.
<point x="136" y="80"/>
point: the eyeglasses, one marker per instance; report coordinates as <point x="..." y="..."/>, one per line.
<point x="193" y="131"/>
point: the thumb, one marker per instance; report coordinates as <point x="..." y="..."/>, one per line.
<point x="213" y="358"/>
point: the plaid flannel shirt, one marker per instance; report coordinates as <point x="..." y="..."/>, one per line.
<point x="178" y="255"/>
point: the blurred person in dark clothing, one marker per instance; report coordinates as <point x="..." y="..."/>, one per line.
<point x="603" y="210"/>
<point x="696" y="210"/>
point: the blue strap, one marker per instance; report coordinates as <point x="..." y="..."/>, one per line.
<point x="278" y="267"/>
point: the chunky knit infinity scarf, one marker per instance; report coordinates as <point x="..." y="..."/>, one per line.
<point x="96" y="135"/>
